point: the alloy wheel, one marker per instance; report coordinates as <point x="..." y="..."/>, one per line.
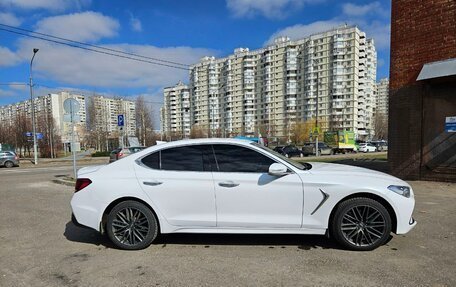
<point x="363" y="225"/>
<point x="130" y="226"/>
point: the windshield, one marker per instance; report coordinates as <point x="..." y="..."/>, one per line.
<point x="302" y="166"/>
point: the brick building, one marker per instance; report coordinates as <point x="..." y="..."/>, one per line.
<point x="422" y="89"/>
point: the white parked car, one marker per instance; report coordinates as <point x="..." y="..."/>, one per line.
<point x="367" y="147"/>
<point x="236" y="186"/>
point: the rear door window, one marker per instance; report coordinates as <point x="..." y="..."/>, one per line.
<point x="186" y="158"/>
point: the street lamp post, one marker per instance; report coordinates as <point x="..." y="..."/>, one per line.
<point x="32" y="106"/>
<point x="316" y="111"/>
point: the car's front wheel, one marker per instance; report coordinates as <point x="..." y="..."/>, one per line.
<point x="131" y="225"/>
<point x="9" y="164"/>
<point x="361" y="224"/>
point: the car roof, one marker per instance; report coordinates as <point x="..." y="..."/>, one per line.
<point x="206" y="141"/>
<point x="191" y="142"/>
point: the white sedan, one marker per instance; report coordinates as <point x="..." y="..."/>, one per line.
<point x="236" y="186"/>
<point x="367" y="147"/>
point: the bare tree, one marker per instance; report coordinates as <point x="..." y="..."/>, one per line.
<point x="381" y="126"/>
<point x="144" y="124"/>
<point x="197" y="132"/>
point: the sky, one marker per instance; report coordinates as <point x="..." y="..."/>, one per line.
<point x="174" y="30"/>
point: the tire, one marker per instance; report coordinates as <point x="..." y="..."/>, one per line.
<point x="366" y="222"/>
<point x="9" y="164"/>
<point x="126" y="231"/>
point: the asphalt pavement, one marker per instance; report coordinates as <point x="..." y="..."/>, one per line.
<point x="41" y="247"/>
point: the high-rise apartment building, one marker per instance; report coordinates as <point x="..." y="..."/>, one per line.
<point x="49" y="107"/>
<point x="106" y="111"/>
<point x="176" y="111"/>
<point x="330" y="76"/>
<point x="382" y="97"/>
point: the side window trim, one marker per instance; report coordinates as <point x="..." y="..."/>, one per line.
<point x="215" y="158"/>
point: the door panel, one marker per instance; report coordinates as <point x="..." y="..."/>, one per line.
<point x="179" y="182"/>
<point x="258" y="200"/>
<point x="183" y="198"/>
<point x="247" y="196"/>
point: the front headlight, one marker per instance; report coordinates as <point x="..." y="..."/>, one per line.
<point x="402" y="190"/>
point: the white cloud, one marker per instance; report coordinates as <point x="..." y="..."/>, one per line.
<point x="381" y="33"/>
<point x="85" y="26"/>
<point x="72" y="66"/>
<point x="301" y="31"/>
<point x="273" y="9"/>
<point x="51" y="5"/>
<point x="135" y="24"/>
<point x="6" y="94"/>
<point x="8" y="58"/>
<point x="9" y="19"/>
<point x="351" y="9"/>
<point x="378" y="28"/>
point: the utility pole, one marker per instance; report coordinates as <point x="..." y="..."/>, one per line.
<point x="32" y="106"/>
<point x="316" y="118"/>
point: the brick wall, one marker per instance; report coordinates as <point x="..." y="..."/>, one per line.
<point x="422" y="31"/>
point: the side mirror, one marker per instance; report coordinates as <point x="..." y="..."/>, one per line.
<point x="278" y="169"/>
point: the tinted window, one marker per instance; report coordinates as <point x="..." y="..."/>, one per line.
<point x="152" y="160"/>
<point x="187" y="158"/>
<point x="231" y="158"/>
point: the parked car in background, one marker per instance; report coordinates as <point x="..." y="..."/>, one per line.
<point x="381" y="145"/>
<point x="237" y="186"/>
<point x="278" y="149"/>
<point x="289" y="151"/>
<point x="367" y="147"/>
<point x="323" y="149"/>
<point x="9" y="159"/>
<point x="119" y="153"/>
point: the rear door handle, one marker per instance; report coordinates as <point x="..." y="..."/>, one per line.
<point x="152" y="183"/>
<point x="228" y="183"/>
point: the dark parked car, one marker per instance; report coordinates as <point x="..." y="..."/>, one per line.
<point x="380" y="145"/>
<point x="289" y="151"/>
<point x="119" y="153"/>
<point x="8" y="159"/>
<point x="323" y="149"/>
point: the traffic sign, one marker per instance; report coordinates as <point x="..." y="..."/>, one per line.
<point x="120" y="120"/>
<point x="71" y="106"/>
<point x="450" y="124"/>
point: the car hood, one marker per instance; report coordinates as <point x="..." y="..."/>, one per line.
<point x="332" y="169"/>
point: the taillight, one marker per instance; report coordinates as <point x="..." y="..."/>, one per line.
<point x="82" y="183"/>
<point x="119" y="155"/>
<point x="16" y="157"/>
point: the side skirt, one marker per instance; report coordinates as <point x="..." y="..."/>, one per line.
<point x="249" y="231"/>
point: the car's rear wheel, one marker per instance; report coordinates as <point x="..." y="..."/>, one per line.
<point x="361" y="224"/>
<point x="9" y="164"/>
<point x="131" y="225"/>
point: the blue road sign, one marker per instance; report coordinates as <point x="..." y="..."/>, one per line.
<point x="450" y="124"/>
<point x="120" y="120"/>
<point x="28" y="134"/>
<point x="39" y="136"/>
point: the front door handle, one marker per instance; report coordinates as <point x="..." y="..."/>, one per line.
<point x="152" y="183"/>
<point x="228" y="183"/>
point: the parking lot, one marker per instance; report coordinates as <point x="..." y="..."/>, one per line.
<point x="41" y="247"/>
